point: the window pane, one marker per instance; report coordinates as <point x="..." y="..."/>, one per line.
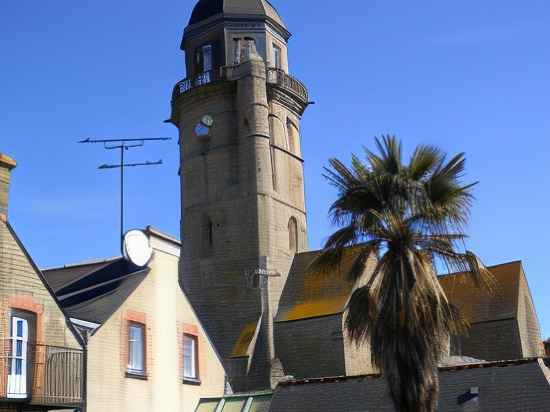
<point x="234" y="405"/>
<point x="261" y="404"/>
<point x="19" y="366"/>
<point x="207" y="58"/>
<point x="19" y="348"/>
<point x="277" y="57"/>
<point x="189" y="357"/>
<point x="136" y="355"/>
<point x="208" y="406"/>
<point x="19" y="328"/>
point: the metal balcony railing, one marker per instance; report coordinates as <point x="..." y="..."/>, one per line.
<point x="40" y="374"/>
<point x="202" y="79"/>
<point x="286" y="81"/>
<point x="276" y="77"/>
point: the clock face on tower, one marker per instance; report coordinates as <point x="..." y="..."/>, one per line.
<point x="207" y="120"/>
<point x="202" y="129"/>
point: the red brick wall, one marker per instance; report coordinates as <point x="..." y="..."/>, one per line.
<point x="547" y="347"/>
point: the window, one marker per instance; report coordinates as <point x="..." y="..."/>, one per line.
<point x="205" y="58"/>
<point x="136" y="349"/>
<point x="293" y="235"/>
<point x="190" y="357"/>
<point x="293" y="138"/>
<point x="17" y="368"/>
<point x="277" y="63"/>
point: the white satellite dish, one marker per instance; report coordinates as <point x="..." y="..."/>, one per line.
<point x="137" y="248"/>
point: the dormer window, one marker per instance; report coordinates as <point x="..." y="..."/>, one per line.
<point x="277" y="61"/>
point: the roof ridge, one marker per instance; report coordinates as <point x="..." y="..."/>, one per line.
<point x="83" y="263"/>
<point x="479" y="365"/>
<point x="488" y="267"/>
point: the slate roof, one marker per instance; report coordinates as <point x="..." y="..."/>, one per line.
<point x="476" y="305"/>
<point x="496" y="382"/>
<point x="262" y="9"/>
<point x="309" y="295"/>
<point x="94" y="291"/>
<point x="60" y="277"/>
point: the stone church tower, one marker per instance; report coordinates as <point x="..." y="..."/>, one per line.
<point x="243" y="211"/>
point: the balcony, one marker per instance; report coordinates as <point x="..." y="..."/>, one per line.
<point x="202" y="79"/>
<point x="46" y="376"/>
<point x="275" y="77"/>
<point x="288" y="83"/>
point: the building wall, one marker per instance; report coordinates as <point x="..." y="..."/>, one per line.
<point x="357" y="357"/>
<point x="160" y="304"/>
<point x="504" y="323"/>
<point x="311" y="347"/>
<point x="240" y="191"/>
<point x="22" y="288"/>
<point x="491" y="341"/>
<point x="528" y="323"/>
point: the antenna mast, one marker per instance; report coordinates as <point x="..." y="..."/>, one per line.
<point x="123" y="145"/>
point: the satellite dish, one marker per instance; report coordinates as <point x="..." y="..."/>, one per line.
<point x="137" y="248"/>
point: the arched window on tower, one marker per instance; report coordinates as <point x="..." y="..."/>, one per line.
<point x="293" y="138"/>
<point x="293" y="235"/>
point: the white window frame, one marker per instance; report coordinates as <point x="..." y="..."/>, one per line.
<point x="134" y="366"/>
<point x="17" y="377"/>
<point x="192" y="374"/>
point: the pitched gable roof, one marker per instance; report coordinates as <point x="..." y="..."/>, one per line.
<point x="478" y="306"/>
<point x="94" y="291"/>
<point x="309" y="295"/>
<point x="19" y="244"/>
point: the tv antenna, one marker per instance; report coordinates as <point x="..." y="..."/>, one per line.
<point x="123" y="145"/>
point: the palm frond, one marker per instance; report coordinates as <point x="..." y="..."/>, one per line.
<point x="412" y="217"/>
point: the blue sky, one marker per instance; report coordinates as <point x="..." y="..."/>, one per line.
<point x="468" y="76"/>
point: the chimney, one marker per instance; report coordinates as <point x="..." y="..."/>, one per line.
<point x="7" y="164"/>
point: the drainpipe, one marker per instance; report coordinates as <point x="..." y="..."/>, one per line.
<point x="84" y="384"/>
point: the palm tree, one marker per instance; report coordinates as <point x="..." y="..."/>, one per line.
<point x="411" y="218"/>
